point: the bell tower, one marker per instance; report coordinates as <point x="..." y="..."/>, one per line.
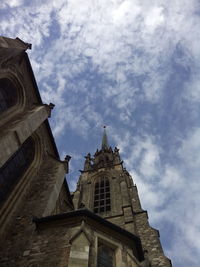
<point x="107" y="189"/>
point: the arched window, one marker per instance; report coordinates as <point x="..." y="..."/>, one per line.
<point x="8" y="94"/>
<point x="102" y="195"/>
<point x="105" y="256"/>
<point x="15" y="167"/>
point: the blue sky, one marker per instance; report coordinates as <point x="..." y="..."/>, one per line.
<point x="134" y="66"/>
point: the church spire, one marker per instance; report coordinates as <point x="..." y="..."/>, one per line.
<point x="104" y="144"/>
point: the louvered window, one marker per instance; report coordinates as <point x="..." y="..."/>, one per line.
<point x="102" y="195"/>
<point x="15" y="167"/>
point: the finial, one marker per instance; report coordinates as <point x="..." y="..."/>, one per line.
<point x="66" y="161"/>
<point x="67" y="158"/>
<point x="51" y="105"/>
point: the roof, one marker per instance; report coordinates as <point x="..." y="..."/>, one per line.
<point x="90" y="215"/>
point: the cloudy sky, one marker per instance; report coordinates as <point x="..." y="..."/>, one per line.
<point x="133" y="65"/>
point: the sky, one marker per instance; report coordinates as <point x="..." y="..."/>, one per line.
<point x="134" y="66"/>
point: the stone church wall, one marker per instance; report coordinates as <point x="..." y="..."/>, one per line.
<point x="37" y="199"/>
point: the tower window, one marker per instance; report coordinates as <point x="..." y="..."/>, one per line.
<point x="8" y="94"/>
<point x="102" y="195"/>
<point x="105" y="257"/>
<point x="15" y="167"/>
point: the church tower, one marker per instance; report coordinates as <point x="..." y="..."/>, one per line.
<point x="106" y="188"/>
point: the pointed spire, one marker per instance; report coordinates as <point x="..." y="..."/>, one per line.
<point x="104" y="144"/>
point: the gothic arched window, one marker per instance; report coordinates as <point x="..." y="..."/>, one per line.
<point x="105" y="256"/>
<point x="8" y="94"/>
<point x="15" y="167"/>
<point x="102" y="195"/>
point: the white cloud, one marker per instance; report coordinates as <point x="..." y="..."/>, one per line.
<point x="192" y="88"/>
<point x="90" y="30"/>
<point x="172" y="178"/>
<point x="12" y="3"/>
<point x="174" y="198"/>
<point x="146" y="152"/>
<point x="126" y="12"/>
<point x="154" y="18"/>
<point x="189" y="151"/>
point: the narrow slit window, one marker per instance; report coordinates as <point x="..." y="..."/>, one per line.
<point x="102" y="195"/>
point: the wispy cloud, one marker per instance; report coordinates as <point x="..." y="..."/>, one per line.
<point x="133" y="65"/>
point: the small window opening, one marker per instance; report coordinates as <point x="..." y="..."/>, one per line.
<point x="105" y="257"/>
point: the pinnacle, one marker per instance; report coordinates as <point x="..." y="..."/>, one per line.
<point x="104" y="144"/>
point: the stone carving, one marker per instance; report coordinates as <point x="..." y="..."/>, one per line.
<point x="87" y="165"/>
<point x="116" y="155"/>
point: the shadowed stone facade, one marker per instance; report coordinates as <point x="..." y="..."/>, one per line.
<point x="40" y="224"/>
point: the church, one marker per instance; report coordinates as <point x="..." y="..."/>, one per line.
<point x="42" y="223"/>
